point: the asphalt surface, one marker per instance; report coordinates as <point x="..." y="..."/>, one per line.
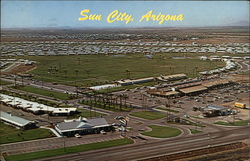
<point x="157" y="148"/>
<point x="54" y="143"/>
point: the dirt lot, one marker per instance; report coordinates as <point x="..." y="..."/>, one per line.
<point x="20" y="69"/>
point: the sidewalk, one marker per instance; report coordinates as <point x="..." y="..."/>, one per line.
<point x="53" y="130"/>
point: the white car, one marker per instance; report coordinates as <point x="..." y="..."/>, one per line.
<point x="103" y="132"/>
<point x="78" y="136"/>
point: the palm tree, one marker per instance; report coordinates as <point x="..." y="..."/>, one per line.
<point x="125" y="99"/>
<point x="87" y="72"/>
<point x="128" y="73"/>
<point x="76" y="71"/>
<point x="120" y="104"/>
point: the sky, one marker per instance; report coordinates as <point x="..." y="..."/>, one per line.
<point x="35" y="14"/>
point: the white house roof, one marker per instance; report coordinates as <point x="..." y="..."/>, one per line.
<point x="14" y="119"/>
<point x="33" y="106"/>
<point x="75" y="125"/>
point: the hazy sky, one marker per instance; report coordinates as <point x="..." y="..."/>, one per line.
<point x="66" y="13"/>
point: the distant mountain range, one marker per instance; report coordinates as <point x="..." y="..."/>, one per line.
<point x="240" y="23"/>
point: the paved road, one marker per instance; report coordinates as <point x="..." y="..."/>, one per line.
<point x="156" y="148"/>
<point x="45" y="85"/>
<point x="54" y="143"/>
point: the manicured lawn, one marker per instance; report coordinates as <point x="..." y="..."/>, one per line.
<point x="162" y="131"/>
<point x="68" y="150"/>
<point x="167" y="109"/>
<point x="44" y="92"/>
<point x="90" y="70"/>
<point x="194" y="131"/>
<point x="236" y="123"/>
<point x="87" y="113"/>
<point x="9" y="134"/>
<point x="149" y="115"/>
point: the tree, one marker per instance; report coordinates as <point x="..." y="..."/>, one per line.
<point x="120" y="104"/>
<point x="87" y="72"/>
<point x="76" y="72"/>
<point x="128" y="73"/>
<point x="125" y="99"/>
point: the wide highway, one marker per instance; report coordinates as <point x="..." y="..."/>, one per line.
<point x="159" y="147"/>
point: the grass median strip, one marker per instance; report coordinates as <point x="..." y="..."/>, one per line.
<point x="168" y="109"/>
<point x="149" y="115"/>
<point x="194" y="131"/>
<point x="68" y="150"/>
<point x="235" y="123"/>
<point x="162" y="131"/>
<point x="44" y="92"/>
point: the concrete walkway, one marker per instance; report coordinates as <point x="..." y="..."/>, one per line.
<point x="53" y="130"/>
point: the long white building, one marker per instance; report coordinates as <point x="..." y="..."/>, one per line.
<point x="35" y="107"/>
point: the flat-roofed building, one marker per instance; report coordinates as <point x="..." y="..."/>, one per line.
<point x="172" y="77"/>
<point x="216" y="83"/>
<point x="34" y="107"/>
<point x="163" y="93"/>
<point x="16" y="121"/>
<point x="135" y="81"/>
<point x="193" y="90"/>
<point x="215" y="110"/>
<point x="82" y="126"/>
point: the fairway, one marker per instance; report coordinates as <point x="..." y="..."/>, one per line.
<point x="162" y="131"/>
<point x="44" y="92"/>
<point x="90" y="70"/>
<point x="148" y="115"/>
<point x="9" y="134"/>
<point x="68" y="150"/>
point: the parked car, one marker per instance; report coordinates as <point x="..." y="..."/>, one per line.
<point x="78" y="136"/>
<point x="103" y="132"/>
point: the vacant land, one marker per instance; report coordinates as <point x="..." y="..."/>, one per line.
<point x="162" y="131"/>
<point x="148" y="115"/>
<point x="235" y="123"/>
<point x="9" y="134"/>
<point x="89" y="70"/>
<point x="44" y="92"/>
<point x="68" y="150"/>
